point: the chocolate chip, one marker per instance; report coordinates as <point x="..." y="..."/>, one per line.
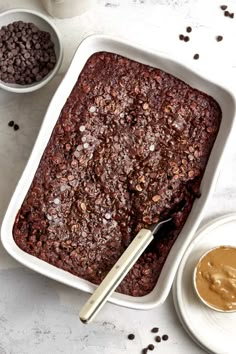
<point x="28" y="80"/>
<point x="145" y="350"/>
<point x="165" y="337"/>
<point x="131" y="336"/>
<point x="223" y="7"/>
<point x="151" y="347"/>
<point x="27" y="55"/>
<point x="14" y="52"/>
<point x="155" y="330"/>
<point x="196" y="56"/>
<point x="38" y="77"/>
<point x="10" y="69"/>
<point x="231" y="15"/>
<point x="11" y="123"/>
<point x="186" y="38"/>
<point x="219" y="38"/>
<point x="53" y="59"/>
<point x="16" y="127"/>
<point x="226" y="13"/>
<point x="34" y="29"/>
<point x="189" y="29"/>
<point x="35" y="70"/>
<point x="181" y="37"/>
<point x="158" y="339"/>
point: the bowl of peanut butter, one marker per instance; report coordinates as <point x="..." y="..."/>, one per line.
<point x="214" y="278"/>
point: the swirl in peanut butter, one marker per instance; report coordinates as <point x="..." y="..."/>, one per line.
<point x="216" y="278"/>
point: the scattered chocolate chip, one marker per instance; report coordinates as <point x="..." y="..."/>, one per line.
<point x="131" y="336"/>
<point x="189" y="29"/>
<point x="11" y="123"/>
<point x="226" y="13"/>
<point x="186" y="38"/>
<point x="219" y="38"/>
<point x="16" y="127"/>
<point x="196" y="56"/>
<point x="165" y="337"/>
<point x="145" y="350"/>
<point x="181" y="37"/>
<point x="158" y="339"/>
<point x="155" y="330"/>
<point x="151" y="347"/>
<point x="223" y="7"/>
<point x="231" y="15"/>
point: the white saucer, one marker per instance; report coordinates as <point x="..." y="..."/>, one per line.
<point x="214" y="331"/>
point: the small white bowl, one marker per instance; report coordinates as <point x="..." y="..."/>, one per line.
<point x="43" y="24"/>
<point x="211" y="306"/>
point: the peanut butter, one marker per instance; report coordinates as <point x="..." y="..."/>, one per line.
<point x="216" y="278"/>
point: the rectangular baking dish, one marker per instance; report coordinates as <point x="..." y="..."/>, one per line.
<point x="226" y="101"/>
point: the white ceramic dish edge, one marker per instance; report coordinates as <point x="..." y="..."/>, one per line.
<point x="27" y="15"/>
<point x="226" y="100"/>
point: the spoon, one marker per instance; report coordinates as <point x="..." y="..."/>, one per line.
<point x="118" y="272"/>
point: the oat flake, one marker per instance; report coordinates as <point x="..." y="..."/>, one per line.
<point x="56" y="201"/>
<point x="64" y="187"/>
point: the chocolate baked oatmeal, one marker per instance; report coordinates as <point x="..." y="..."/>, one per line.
<point x="129" y="149"/>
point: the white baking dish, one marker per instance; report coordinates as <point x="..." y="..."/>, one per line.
<point x="227" y="102"/>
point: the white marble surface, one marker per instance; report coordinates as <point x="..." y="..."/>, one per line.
<point x="38" y="315"/>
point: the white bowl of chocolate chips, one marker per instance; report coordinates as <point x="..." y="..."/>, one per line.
<point x="30" y="50"/>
